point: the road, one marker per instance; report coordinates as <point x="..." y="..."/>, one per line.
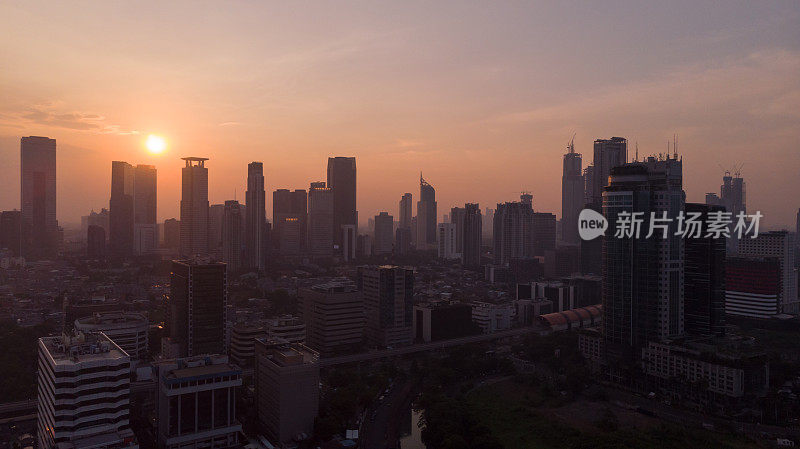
<point x="384" y="431"/>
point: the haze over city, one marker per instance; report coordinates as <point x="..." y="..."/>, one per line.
<point x="483" y="102"/>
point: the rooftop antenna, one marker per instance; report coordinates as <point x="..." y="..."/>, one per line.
<point x="675" y="145"/>
<point x="571" y="144"/>
<point x="637" y="152"/>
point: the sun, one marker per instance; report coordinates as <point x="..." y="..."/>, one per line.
<point x="155" y="144"/>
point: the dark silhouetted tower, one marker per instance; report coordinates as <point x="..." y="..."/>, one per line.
<point x="121" y="209"/>
<point x="194" y="207"/>
<point x="572" y="192"/>
<point x="256" y="217"/>
<point x="342" y="181"/>
<point x="38" y="196"/>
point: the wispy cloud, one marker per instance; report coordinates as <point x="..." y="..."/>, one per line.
<point x="55" y="115"/>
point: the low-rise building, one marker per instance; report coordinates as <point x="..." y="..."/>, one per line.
<point x="492" y="317"/>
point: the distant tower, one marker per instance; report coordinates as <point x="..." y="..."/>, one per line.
<point x="572" y="194"/>
<point x="145" y="233"/>
<point x="320" y="220"/>
<point x="383" y="234"/>
<point x="608" y="153"/>
<point x="426" y="215"/>
<point x="232" y="236"/>
<point x="342" y="181"/>
<point x="194" y="207"/>
<point x="405" y="211"/>
<point x="472" y="232"/>
<point x="733" y="198"/>
<point x="121" y="209"/>
<point x="513" y="232"/>
<point x="255" y="200"/>
<point x="38" y="196"/>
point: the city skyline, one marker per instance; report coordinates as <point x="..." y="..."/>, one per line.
<point x="483" y="114"/>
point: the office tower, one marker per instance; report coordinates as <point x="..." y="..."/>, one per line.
<point x="196" y="403"/>
<point x="197" y="308"/>
<point x="780" y="245"/>
<point x="97" y="219"/>
<point x="77" y="409"/>
<point x="388" y="301"/>
<point x="256" y="216"/>
<point x="608" y="153"/>
<point x="128" y="330"/>
<point x="384" y="224"/>
<point x="572" y="192"/>
<point x="95" y="241"/>
<point x="232" y="236"/>
<point x="121" y="209"/>
<point x="473" y="223"/>
<point x="457" y="219"/>
<point x="194" y="207"/>
<point x="753" y="286"/>
<point x="712" y="199"/>
<point x="172" y="233"/>
<point x="527" y="199"/>
<point x="588" y="185"/>
<point x="320" y="220"/>
<point x="145" y="233"/>
<point x="405" y="211"/>
<point x="544" y="233"/>
<point x="402" y="241"/>
<point x="287" y="389"/>
<point x="733" y="198"/>
<point x="290" y="207"/>
<point x="364" y="245"/>
<point x="704" y="279"/>
<point x="426" y="216"/>
<point x="643" y="277"/>
<point x="446" y="241"/>
<point x="342" y="182"/>
<point x="349" y="238"/>
<point x="333" y="313"/>
<point x="11" y="231"/>
<point x="513" y="232"/>
<point x="38" y="196"/>
<point x="488" y="223"/>
<point x="216" y="216"/>
<point x="442" y="320"/>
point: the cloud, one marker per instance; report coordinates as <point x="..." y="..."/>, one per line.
<point x="53" y="114"/>
<point x="230" y="124"/>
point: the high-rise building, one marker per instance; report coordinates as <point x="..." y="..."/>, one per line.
<point x="733" y="197"/>
<point x="544" y="233"/>
<point x="145" y="232"/>
<point x="172" y="233"/>
<point x="426" y="216"/>
<point x="388" y="301"/>
<point x="194" y="207"/>
<point x="446" y="241"/>
<point x="513" y="232"/>
<point x="196" y="403"/>
<point x="457" y="219"/>
<point x="472" y="225"/>
<point x="97" y="219"/>
<point x="608" y="153"/>
<point x="320" y="220"/>
<point x="11" y="231"/>
<point x="780" y="245"/>
<point x="216" y="216"/>
<point x="488" y="222"/>
<point x="402" y="241"/>
<point x="342" y="182"/>
<point x="95" y="241"/>
<point x="232" y="236"/>
<point x="128" y="330"/>
<point x="405" y="211"/>
<point x="197" y="308"/>
<point x="526" y="198"/>
<point x="84" y="388"/>
<point x="38" y="196"/>
<point x="753" y="286"/>
<point x="588" y="186"/>
<point x="712" y="199"/>
<point x="384" y="224"/>
<point x="572" y="191"/>
<point x="287" y="389"/>
<point x="256" y="216"/>
<point x="349" y="239"/>
<point x="290" y="209"/>
<point x="704" y="279"/>
<point x="334" y="316"/>
<point x="643" y="278"/>
<point x="121" y="209"/>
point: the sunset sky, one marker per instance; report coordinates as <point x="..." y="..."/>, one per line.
<point x="482" y="97"/>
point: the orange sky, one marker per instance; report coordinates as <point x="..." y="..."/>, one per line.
<point x="482" y="100"/>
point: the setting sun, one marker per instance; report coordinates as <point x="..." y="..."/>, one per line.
<point x="155" y="144"/>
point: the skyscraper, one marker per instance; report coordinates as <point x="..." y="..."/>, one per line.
<point x="38" y="196"/>
<point x="320" y="220"/>
<point x="457" y="219"/>
<point x="145" y="232"/>
<point x="426" y="216"/>
<point x="334" y="316"/>
<point x="172" y="233"/>
<point x="544" y="232"/>
<point x="216" y="215"/>
<point x="446" y="241"/>
<point x="779" y="245"/>
<point x="95" y="241"/>
<point x="197" y="308"/>
<point x="733" y="198"/>
<point x="513" y="232"/>
<point x="384" y="223"/>
<point x="11" y="231"/>
<point x="704" y="279"/>
<point x="608" y="153"/>
<point x="256" y="216"/>
<point x="405" y="211"/>
<point x="232" y="236"/>
<point x="642" y="290"/>
<point x="194" y="207"/>
<point x="572" y="192"/>
<point x="121" y="209"/>
<point x="473" y="223"/>
<point x="342" y="181"/>
<point x="290" y="207"/>
<point x="388" y="301"/>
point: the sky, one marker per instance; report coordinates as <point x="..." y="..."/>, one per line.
<point x="481" y="97"/>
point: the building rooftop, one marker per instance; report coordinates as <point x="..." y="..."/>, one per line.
<point x="113" y="320"/>
<point x="284" y="353"/>
<point x="81" y="347"/>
